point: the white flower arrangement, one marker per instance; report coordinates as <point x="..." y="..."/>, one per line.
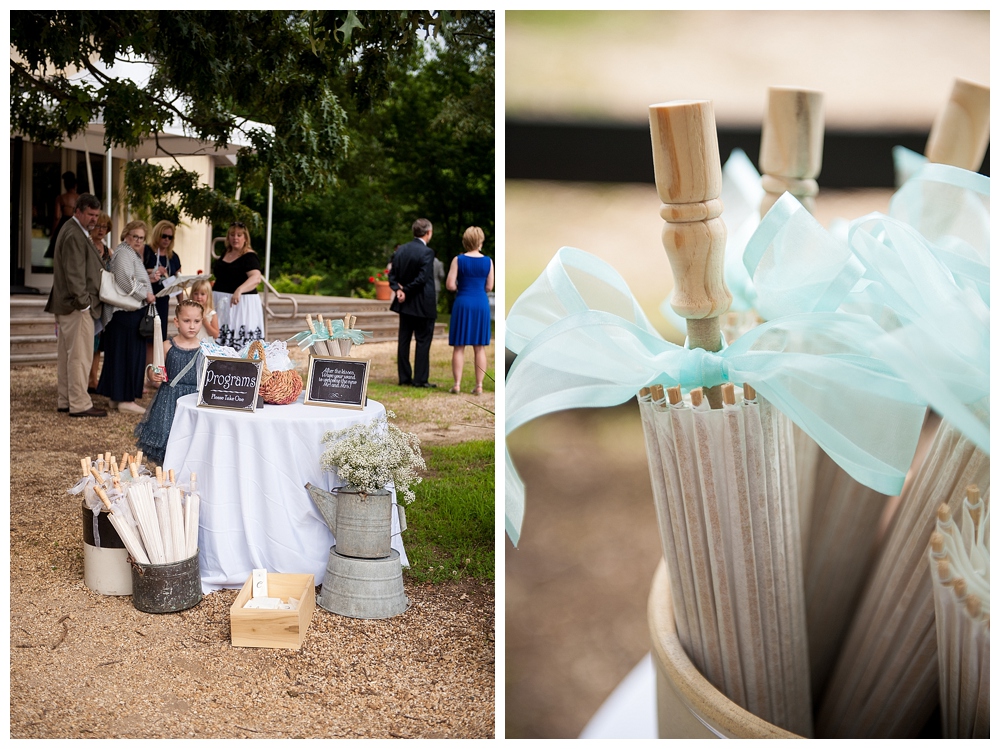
<point x="374" y="455"/>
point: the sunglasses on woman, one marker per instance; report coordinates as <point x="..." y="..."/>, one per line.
<point x="238" y="224"/>
<point x="167" y="236"/>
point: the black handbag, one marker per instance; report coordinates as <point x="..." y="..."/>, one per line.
<point x="148" y="321"/>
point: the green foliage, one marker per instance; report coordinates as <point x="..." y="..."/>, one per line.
<point x="297" y="284"/>
<point x="426" y="149"/>
<point x="219" y="74"/>
<point x="450" y="526"/>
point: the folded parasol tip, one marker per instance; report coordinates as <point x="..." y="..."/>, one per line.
<point x="749" y="393"/>
<point x="973" y="605"/>
<point x="943" y="513"/>
<point x="960" y="587"/>
<point x="728" y="394"/>
<point x="972" y="494"/>
<point x="696" y="396"/>
<point x="674" y="394"/>
<point x="937" y="543"/>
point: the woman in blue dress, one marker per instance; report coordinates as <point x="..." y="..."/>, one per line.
<point x="181" y="353"/>
<point x="471" y="276"/>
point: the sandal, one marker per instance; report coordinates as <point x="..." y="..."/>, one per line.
<point x="455" y="390"/>
<point x="477" y="390"/>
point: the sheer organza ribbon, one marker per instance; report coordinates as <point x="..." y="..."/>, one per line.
<point x="930" y="297"/>
<point x="307" y="338"/>
<point x="583" y="341"/>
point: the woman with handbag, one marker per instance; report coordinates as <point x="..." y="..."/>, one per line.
<point x="161" y="262"/>
<point x="124" y="347"/>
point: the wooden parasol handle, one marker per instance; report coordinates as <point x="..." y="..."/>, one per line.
<point x="791" y="145"/>
<point x="689" y="180"/>
<point x="961" y="131"/>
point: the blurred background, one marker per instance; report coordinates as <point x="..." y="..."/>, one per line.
<point x="579" y="173"/>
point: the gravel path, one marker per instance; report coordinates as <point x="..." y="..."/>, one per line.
<point x="84" y="665"/>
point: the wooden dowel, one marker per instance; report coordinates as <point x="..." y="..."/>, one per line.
<point x="961" y="131"/>
<point x="688" y="175"/>
<point x="791" y="145"/>
<point x="728" y="394"/>
<point x="674" y="394"/>
<point x="696" y="396"/>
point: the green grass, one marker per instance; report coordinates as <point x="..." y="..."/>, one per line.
<point x="450" y="524"/>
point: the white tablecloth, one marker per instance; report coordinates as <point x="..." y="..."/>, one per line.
<point x="252" y="471"/>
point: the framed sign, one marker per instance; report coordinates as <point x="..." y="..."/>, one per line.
<point x="342" y="383"/>
<point x="231" y="383"/>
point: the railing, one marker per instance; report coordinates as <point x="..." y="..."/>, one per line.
<point x="268" y="290"/>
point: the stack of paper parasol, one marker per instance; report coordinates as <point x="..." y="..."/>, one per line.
<point x="837" y="358"/>
<point x="959" y="559"/>
<point x="156" y="519"/>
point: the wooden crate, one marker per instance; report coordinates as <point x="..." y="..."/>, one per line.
<point x="269" y="628"/>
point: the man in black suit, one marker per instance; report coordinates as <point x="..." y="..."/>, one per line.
<point x="411" y="277"/>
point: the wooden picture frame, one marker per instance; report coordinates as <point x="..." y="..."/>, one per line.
<point x="230" y="383"/>
<point x="337" y="382"/>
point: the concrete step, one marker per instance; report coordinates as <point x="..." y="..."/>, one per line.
<point x="32" y="329"/>
<point x="20" y="360"/>
<point x="45" y="325"/>
<point x="28" y="305"/>
<point x="30" y="344"/>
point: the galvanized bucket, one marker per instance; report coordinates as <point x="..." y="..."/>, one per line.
<point x="360" y="523"/>
<point x="105" y="558"/>
<point x="363" y="588"/>
<point x="166" y="588"/>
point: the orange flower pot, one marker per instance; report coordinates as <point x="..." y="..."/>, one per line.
<point x="382" y="290"/>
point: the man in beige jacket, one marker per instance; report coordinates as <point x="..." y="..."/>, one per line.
<point x="76" y="303"/>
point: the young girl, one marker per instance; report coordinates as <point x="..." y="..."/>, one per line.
<point x="180" y="355"/>
<point x="201" y="292"/>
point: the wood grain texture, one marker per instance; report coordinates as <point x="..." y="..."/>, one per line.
<point x="270" y="628"/>
<point x="791" y="145"/>
<point x="688" y="176"/>
<point x="961" y="131"/>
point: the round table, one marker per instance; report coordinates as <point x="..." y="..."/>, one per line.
<point x="252" y="469"/>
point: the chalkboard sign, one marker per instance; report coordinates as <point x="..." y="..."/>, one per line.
<point x="342" y="383"/>
<point x="230" y="383"/>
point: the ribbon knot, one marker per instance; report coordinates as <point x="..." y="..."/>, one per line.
<point x="700" y="368"/>
<point x="832" y="374"/>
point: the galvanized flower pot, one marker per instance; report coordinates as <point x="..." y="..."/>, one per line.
<point x="360" y="523"/>
<point x="166" y="588"/>
<point x="363" y="588"/>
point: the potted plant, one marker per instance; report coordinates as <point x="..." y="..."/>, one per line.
<point x="381" y="281"/>
<point x="368" y="458"/>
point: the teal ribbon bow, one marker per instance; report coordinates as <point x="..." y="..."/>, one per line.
<point x="921" y="274"/>
<point x="583" y="341"/>
<point x="307" y="338"/>
<point x="354" y="335"/>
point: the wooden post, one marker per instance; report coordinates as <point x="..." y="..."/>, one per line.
<point x="961" y="131"/>
<point x="791" y="145"/>
<point x="689" y="180"/>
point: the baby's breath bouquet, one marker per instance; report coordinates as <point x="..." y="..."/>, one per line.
<point x="372" y="456"/>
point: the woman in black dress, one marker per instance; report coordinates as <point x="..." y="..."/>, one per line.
<point x="124" y="349"/>
<point x="237" y="303"/>
<point x="161" y="262"/>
